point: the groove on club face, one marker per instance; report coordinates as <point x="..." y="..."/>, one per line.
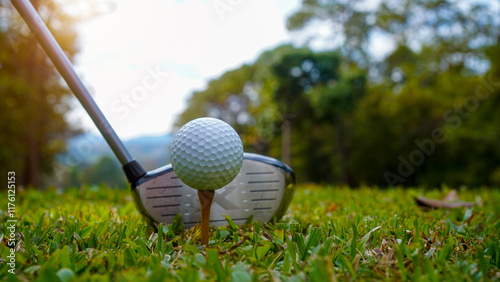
<point x="263" y="189"/>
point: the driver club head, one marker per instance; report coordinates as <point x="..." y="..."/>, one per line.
<point x="262" y="190"/>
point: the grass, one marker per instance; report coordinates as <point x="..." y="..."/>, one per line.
<point x="329" y="233"/>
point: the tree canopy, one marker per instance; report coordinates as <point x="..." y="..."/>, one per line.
<point x="423" y="114"/>
<point x="34" y="100"/>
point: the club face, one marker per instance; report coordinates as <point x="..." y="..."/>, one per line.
<point x="263" y="189"/>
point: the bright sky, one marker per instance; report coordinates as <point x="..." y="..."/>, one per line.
<point x="143" y="60"/>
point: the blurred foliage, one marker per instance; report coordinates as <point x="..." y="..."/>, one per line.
<point x="33" y="99"/>
<point x="425" y="114"/>
<point x="106" y="170"/>
<point x="453" y="32"/>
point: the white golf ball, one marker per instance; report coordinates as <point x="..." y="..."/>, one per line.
<point x="206" y="154"/>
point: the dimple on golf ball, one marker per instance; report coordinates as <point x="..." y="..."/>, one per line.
<point x="206" y="154"/>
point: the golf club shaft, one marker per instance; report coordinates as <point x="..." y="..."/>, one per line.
<point x="62" y="64"/>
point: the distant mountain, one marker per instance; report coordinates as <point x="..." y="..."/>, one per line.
<point x="151" y="151"/>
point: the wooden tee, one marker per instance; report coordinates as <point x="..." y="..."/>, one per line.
<point x="206" y="197"/>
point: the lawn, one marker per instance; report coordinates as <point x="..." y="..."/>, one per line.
<point x="329" y="233"/>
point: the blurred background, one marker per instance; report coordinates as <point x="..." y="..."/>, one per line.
<point x="351" y="93"/>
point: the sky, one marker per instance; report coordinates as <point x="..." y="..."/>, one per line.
<point x="141" y="63"/>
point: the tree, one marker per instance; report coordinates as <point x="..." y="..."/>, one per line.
<point x="456" y="30"/>
<point x="389" y="132"/>
<point x="334" y="103"/>
<point x="34" y="100"/>
<point x="427" y="82"/>
<point x="297" y="74"/>
<point x="430" y="130"/>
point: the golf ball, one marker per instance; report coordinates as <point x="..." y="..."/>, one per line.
<point x="206" y="154"/>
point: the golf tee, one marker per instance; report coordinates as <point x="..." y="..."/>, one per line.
<point x="205" y="197"/>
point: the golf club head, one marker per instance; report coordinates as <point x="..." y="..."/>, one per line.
<point x="263" y="189"/>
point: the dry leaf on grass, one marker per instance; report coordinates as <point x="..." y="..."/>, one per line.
<point x="449" y="201"/>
